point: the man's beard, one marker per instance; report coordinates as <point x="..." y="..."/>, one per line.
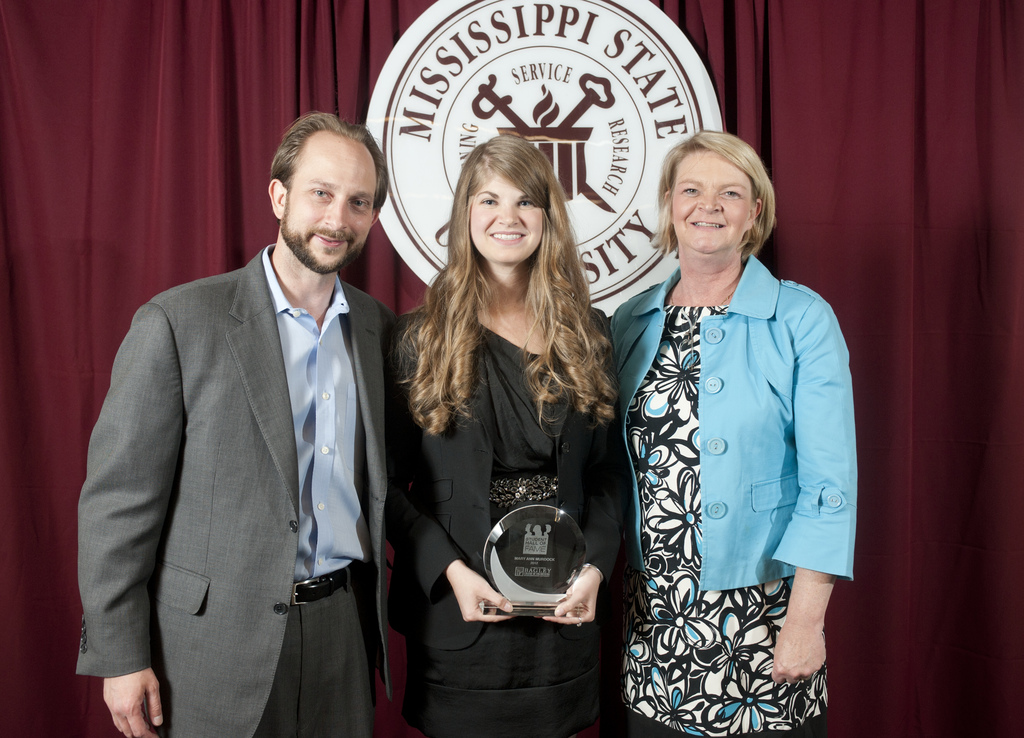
<point x="299" y="245"/>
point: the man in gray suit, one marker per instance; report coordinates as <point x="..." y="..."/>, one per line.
<point x="231" y="534"/>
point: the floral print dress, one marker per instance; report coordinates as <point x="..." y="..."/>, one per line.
<point x="696" y="661"/>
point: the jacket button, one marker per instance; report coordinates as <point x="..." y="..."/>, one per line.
<point x="565" y="447"/>
<point x="834" y="500"/>
<point x="717" y="510"/>
<point x="713" y="335"/>
<point x="713" y="385"/>
<point x="294" y="525"/>
<point x="280" y="608"/>
<point x="715" y="446"/>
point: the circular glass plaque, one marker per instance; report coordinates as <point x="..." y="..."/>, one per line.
<point x="532" y="556"/>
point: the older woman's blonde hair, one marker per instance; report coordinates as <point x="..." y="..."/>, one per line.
<point x="737" y="152"/>
<point x="443" y="338"/>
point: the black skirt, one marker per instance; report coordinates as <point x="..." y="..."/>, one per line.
<point x="521" y="677"/>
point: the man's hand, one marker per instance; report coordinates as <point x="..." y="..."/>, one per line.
<point x="134" y="703"/>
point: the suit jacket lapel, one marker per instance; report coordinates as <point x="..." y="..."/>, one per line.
<point x="256" y="346"/>
<point x="368" y="362"/>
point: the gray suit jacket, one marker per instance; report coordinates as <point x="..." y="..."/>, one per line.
<point x="187" y="540"/>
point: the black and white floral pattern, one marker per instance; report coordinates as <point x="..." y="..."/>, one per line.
<point x="699" y="662"/>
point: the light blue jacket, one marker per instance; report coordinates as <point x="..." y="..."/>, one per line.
<point x="778" y="453"/>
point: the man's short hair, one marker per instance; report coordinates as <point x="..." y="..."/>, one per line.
<point x="287" y="156"/>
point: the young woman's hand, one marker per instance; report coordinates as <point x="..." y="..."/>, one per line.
<point x="472" y="590"/>
<point x="580" y="603"/>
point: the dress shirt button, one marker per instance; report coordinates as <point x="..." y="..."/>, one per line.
<point x="280" y="608"/>
<point x="717" y="510"/>
<point x="834" y="500"/>
<point x="296" y="313"/>
<point x="713" y="335"/>
<point x="325" y="450"/>
<point x="565" y="447"/>
<point x="293" y="525"/>
<point x="715" y="446"/>
<point x="713" y="385"/>
<point x="320" y="561"/>
<point x="326" y="395"/>
<point x="320" y="506"/>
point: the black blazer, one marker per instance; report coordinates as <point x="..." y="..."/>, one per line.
<point x="438" y="510"/>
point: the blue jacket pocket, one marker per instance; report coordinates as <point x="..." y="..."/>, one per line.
<point x="775" y="493"/>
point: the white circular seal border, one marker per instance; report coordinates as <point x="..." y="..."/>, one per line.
<point x="604" y="88"/>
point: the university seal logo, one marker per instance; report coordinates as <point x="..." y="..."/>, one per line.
<point x="603" y="88"/>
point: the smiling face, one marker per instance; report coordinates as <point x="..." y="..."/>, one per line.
<point x="505" y="226"/>
<point x="327" y="212"/>
<point x="712" y="207"/>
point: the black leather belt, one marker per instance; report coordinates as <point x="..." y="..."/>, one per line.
<point x="311" y="590"/>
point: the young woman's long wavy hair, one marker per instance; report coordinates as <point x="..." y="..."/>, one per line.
<point x="445" y="335"/>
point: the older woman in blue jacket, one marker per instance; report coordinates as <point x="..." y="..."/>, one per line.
<point x="737" y="407"/>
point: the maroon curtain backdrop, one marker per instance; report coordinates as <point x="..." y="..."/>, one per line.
<point x="135" y="143"/>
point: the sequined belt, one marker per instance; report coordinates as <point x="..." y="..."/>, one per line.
<point x="510" y="491"/>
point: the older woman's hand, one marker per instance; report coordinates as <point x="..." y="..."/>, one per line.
<point x="799" y="653"/>
<point x="800" y="647"/>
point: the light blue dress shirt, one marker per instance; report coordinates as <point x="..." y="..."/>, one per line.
<point x="329" y="435"/>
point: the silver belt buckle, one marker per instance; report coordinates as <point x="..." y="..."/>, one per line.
<point x="312" y="580"/>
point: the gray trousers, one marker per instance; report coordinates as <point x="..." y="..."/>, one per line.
<point x="323" y="686"/>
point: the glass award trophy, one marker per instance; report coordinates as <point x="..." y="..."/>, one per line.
<point x="532" y="556"/>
